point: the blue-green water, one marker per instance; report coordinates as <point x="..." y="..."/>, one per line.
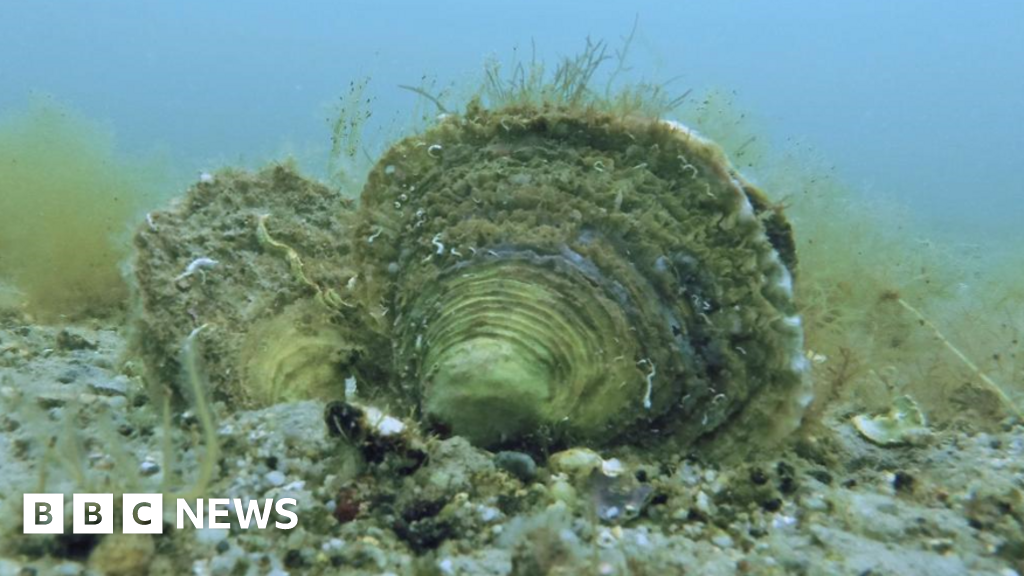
<point x="917" y="100"/>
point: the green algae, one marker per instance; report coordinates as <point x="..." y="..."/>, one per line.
<point x="66" y="201"/>
<point x="574" y="83"/>
<point x="345" y="163"/>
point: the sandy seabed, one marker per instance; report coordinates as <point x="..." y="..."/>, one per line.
<point x="76" y="417"/>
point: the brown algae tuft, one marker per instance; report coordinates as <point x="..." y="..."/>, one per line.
<point x="66" y="201"/>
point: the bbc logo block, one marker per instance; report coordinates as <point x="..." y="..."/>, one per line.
<point x="144" y="513"/>
<point x="44" y="514"/>
<point x="92" y="514"/>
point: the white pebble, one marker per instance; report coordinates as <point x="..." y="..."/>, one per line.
<point x="722" y="540"/>
<point x="703" y="503"/>
<point x="782" y="521"/>
<point x="489" y="513"/>
<point x="274" y="477"/>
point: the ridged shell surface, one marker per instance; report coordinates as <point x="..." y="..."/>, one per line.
<point x="549" y="276"/>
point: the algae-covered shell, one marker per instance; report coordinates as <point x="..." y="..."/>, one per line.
<point x="202" y="262"/>
<point x="554" y="276"/>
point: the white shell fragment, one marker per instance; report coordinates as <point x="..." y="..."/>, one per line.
<point x="383" y="424"/>
<point x="903" y="424"/>
<point x="612" y="467"/>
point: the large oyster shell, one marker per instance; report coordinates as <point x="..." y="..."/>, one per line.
<point x="557" y="276"/>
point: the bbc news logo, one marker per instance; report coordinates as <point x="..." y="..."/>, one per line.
<point x="143" y="513"/>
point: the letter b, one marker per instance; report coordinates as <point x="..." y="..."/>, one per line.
<point x="43" y="513"/>
<point x="92" y="514"/>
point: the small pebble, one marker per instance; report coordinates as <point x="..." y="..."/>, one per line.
<point x="517" y="464"/>
<point x="70" y="341"/>
<point x="606" y="539"/>
<point x="112" y="387"/>
<point x="274" y="477"/>
<point x="68" y="569"/>
<point x="689" y="474"/>
<point x="722" y="540"/>
<point x="903" y="482"/>
<point x="149" y="468"/>
<point x="612" y="467"/>
<point x="577" y="463"/>
<point x="333" y="544"/>
<point x="489" y="513"/>
<point x="562" y="491"/>
<point x="703" y="503"/>
<point x="67" y="376"/>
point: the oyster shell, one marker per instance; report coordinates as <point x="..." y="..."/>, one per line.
<point x="525" y="277"/>
<point x="559" y="276"/>
<point x="267" y="339"/>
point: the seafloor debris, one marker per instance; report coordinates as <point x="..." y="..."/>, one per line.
<point x="905" y="423"/>
<point x="461" y="513"/>
<point x="377" y="434"/>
